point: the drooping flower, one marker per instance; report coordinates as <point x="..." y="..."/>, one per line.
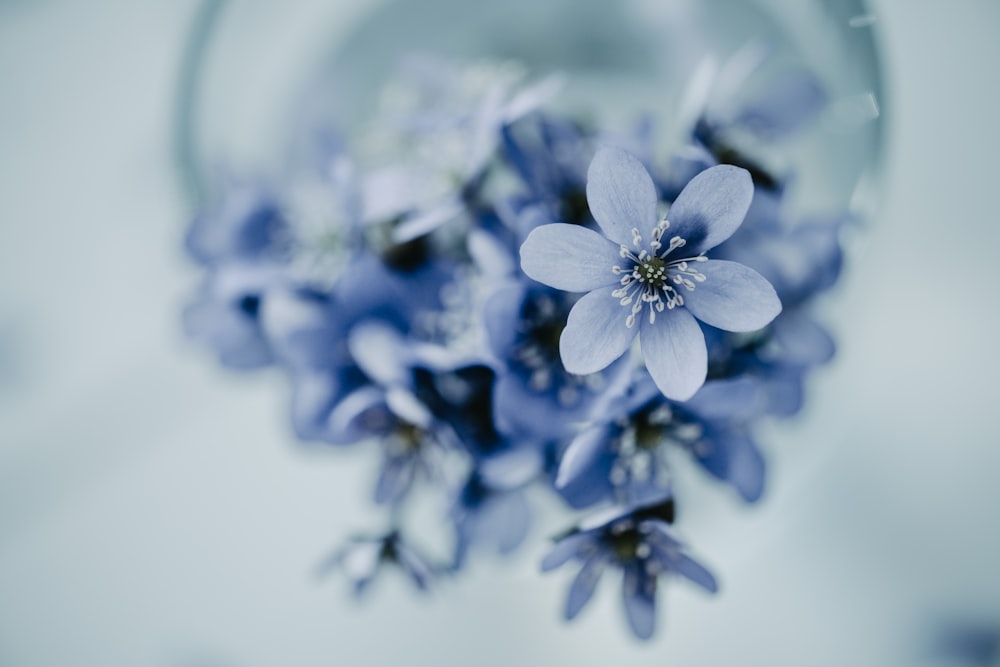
<point x="491" y="508"/>
<point x="362" y="558"/>
<point x="414" y="440"/>
<point x="649" y="276"/>
<point x="624" y="457"/>
<point x="638" y="542"/>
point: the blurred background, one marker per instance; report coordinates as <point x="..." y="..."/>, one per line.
<point x="154" y="509"/>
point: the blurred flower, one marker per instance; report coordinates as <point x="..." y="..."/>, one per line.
<point x="534" y="394"/>
<point x="362" y="558"/>
<point x="225" y="313"/>
<point x="976" y="644"/>
<point x="623" y="456"/>
<point x="639" y="543"/>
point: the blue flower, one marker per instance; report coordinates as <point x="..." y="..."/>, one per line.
<point x="778" y="357"/>
<point x="800" y="258"/>
<point x="639" y="543"/>
<point x="653" y="284"/>
<point x="362" y="558"/>
<point x="414" y="440"/>
<point x="491" y="509"/>
<point x="534" y="395"/>
<point x="624" y="457"/>
<point x="444" y="122"/>
<point x="225" y="314"/>
<point x="551" y="157"/>
<point x="245" y="224"/>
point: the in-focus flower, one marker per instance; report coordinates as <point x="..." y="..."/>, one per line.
<point x="643" y="279"/>
<point x="639" y="543"/>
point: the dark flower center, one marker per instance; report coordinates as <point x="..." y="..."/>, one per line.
<point x="249" y="305"/>
<point x="653" y="271"/>
<point x="628" y="544"/>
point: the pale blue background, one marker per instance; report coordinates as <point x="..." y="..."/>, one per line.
<point x="154" y="511"/>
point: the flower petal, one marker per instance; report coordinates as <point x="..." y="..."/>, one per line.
<point x="595" y="333"/>
<point x="360" y="413"/>
<point x="784" y="107"/>
<point x="710" y="208"/>
<point x="733" y="297"/>
<point x="379" y="350"/>
<point x="639" y="590"/>
<point x="314" y="396"/>
<point x="728" y="399"/>
<point x="583" y="586"/>
<point x="413" y="565"/>
<point x="569" y="257"/>
<point x="394" y="480"/>
<point x="500" y="316"/>
<point x="568" y="547"/>
<point x="801" y="340"/>
<point x="734" y="458"/>
<point x="621" y="195"/>
<point x="675" y="353"/>
<point x="584" y="471"/>
<point x="696" y="572"/>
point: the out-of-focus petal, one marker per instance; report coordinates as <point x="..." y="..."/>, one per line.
<point x="379" y="350"/>
<point x="639" y="593"/>
<point x="783" y="107"/>
<point x="582" y="588"/>
<point x="693" y="570"/>
<point x="394" y="480"/>
<point x="584" y="472"/>
<point x="566" y="548"/>
<point x="728" y="399"/>
<point x="501" y="313"/>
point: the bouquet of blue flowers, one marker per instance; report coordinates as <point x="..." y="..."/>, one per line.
<point x="504" y="300"/>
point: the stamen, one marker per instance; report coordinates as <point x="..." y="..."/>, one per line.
<point x="653" y="279"/>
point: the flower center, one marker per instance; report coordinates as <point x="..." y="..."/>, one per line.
<point x="649" y="277"/>
<point x="536" y="350"/>
<point x="652" y="270"/>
